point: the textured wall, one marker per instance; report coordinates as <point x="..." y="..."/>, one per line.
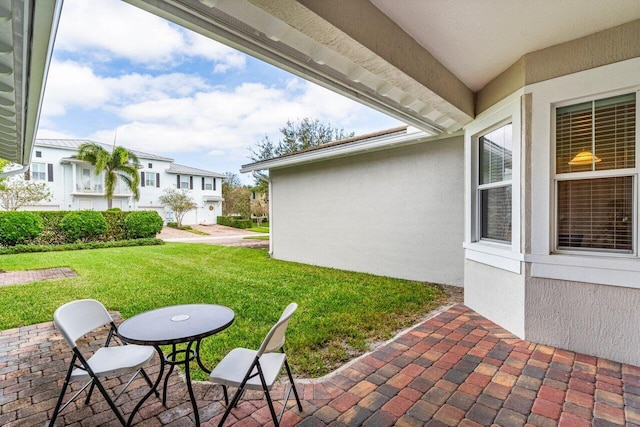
<point x="397" y="212"/>
<point x="599" y="320"/>
<point x="496" y="294"/>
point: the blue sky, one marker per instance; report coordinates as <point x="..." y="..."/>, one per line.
<point x="169" y="91"/>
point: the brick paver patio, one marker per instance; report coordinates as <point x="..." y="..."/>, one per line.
<point x="28" y="276"/>
<point x="454" y="369"/>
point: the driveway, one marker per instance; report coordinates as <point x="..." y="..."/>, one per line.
<point x="217" y="235"/>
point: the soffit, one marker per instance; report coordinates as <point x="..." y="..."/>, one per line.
<point x="26" y="39"/>
<point x="478" y="40"/>
<point x="291" y="36"/>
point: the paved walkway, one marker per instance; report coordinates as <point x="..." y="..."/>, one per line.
<point x="19" y="277"/>
<point x="456" y="368"/>
<point x="218" y="235"/>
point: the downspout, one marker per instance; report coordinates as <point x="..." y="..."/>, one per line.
<point x="257" y="175"/>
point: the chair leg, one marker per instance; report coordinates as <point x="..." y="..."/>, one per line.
<point x="149" y="382"/>
<point x="293" y="385"/>
<point x="226" y="395"/>
<point x="276" y="422"/>
<point x="86" y="401"/>
<point x="62" y="392"/>
<point x="115" y="410"/>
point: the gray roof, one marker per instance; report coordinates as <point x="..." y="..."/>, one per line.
<point x="74" y="144"/>
<point x="186" y="170"/>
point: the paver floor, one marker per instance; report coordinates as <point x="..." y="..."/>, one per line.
<point x="456" y="368"/>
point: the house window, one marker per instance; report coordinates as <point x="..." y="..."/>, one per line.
<point x="38" y="153"/>
<point x="494" y="184"/>
<point x="38" y="171"/>
<point x="184" y="181"/>
<point x="150" y="179"/>
<point x="596" y="174"/>
<point x="208" y="183"/>
<point x="150" y="165"/>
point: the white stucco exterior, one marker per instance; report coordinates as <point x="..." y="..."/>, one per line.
<point x="396" y="212"/>
<point x="74" y="185"/>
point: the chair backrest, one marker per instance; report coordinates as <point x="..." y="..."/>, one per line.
<point x="275" y="338"/>
<point x="77" y="318"/>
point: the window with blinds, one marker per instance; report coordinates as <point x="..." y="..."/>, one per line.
<point x="494" y="184"/>
<point x="595" y="175"/>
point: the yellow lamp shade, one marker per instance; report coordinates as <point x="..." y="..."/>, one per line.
<point x="584" y="158"/>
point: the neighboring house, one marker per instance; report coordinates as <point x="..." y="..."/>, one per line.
<point x="389" y="203"/>
<point x="75" y="186"/>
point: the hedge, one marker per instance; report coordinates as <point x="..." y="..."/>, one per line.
<point x="18" y="249"/>
<point x="83" y="226"/>
<point x="232" y="221"/>
<point x="19" y="227"/>
<point x="53" y="233"/>
<point x="143" y="224"/>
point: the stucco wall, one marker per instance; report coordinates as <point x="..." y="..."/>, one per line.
<point x="594" y="319"/>
<point x="497" y="294"/>
<point x="397" y="212"/>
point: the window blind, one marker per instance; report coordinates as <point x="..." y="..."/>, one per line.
<point x="596" y="214"/>
<point x="604" y="128"/>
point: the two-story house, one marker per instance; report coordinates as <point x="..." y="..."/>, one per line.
<point x="75" y="186"/>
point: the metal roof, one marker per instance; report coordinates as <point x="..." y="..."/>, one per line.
<point x="74" y="144"/>
<point x="186" y="170"/>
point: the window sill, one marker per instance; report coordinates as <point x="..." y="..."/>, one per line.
<point x="494" y="255"/>
<point x="603" y="270"/>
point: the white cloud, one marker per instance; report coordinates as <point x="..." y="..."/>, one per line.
<point x="71" y="84"/>
<point x="112" y="29"/>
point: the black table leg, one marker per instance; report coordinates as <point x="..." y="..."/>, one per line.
<point x="204" y="368"/>
<point x="189" y="387"/>
<point x="152" y="389"/>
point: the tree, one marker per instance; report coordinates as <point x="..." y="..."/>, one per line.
<point x="301" y="135"/>
<point x="15" y="192"/>
<point x="236" y="197"/>
<point x="119" y="163"/>
<point x="179" y="201"/>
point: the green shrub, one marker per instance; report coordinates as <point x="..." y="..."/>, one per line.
<point x="52" y="234"/>
<point x="172" y="224"/>
<point x="234" y="221"/>
<point x="116" y="229"/>
<point x="19" y="227"/>
<point x="114" y="210"/>
<point x="18" y="249"/>
<point x="83" y="226"/>
<point x="143" y="224"/>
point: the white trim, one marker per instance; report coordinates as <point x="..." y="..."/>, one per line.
<point x="505" y="256"/>
<point x="348" y="149"/>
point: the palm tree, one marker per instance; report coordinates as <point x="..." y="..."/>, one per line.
<point x="119" y="163"/>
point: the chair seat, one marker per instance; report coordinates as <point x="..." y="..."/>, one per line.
<point x="111" y="361"/>
<point x="233" y="368"/>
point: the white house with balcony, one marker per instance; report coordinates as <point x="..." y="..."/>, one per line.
<point x="75" y="186"/>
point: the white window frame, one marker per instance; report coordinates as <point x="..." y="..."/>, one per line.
<point x="608" y="80"/>
<point x="35" y="175"/>
<point x="608" y="173"/>
<point x="208" y="183"/>
<point x="149" y="179"/>
<point x="503" y="255"/>
<point x="184" y="182"/>
<point x="479" y="187"/>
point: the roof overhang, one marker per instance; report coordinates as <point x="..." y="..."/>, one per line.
<point x="27" y="33"/>
<point x="307" y="39"/>
<point x="346" y="150"/>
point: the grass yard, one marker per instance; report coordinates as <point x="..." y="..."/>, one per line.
<point x="262" y="229"/>
<point x="340" y="313"/>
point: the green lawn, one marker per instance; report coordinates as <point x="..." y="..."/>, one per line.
<point x="339" y="313"/>
<point x="262" y="229"/>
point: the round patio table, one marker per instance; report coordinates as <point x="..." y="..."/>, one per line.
<point x="175" y="325"/>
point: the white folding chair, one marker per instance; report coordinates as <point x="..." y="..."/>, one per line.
<point x="76" y="319"/>
<point x="257" y="370"/>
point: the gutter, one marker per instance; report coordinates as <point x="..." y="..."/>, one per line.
<point x="23" y="169"/>
<point x="257" y="175"/>
<point x="350" y="149"/>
